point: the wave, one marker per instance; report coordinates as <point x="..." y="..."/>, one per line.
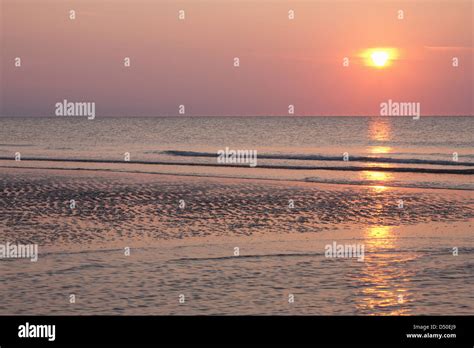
<point x="431" y="185"/>
<point x="431" y="251"/>
<point x="17" y="145"/>
<point x="266" y="166"/>
<point x="301" y="157"/>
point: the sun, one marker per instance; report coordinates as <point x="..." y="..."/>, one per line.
<point x="379" y="57"/>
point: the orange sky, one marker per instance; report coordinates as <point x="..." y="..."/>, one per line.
<point x="190" y="62"/>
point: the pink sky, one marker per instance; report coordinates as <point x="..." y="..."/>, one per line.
<point x="190" y="62"/>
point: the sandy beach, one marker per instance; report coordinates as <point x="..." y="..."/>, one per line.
<point x="183" y="233"/>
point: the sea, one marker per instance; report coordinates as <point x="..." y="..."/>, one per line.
<point x="431" y="152"/>
<point x="137" y="216"/>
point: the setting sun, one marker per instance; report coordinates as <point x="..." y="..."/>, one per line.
<point x="379" y="57"/>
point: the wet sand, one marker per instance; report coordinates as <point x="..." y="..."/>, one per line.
<point x="409" y="267"/>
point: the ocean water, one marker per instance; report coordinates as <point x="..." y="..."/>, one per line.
<point x="433" y="152"/>
<point x="409" y="266"/>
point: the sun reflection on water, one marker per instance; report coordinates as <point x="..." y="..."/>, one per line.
<point x="376" y="235"/>
<point x="376" y="179"/>
<point x="379" y="129"/>
<point x="380" y="149"/>
<point x="383" y="278"/>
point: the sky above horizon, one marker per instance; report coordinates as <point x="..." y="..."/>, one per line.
<point x="190" y="62"/>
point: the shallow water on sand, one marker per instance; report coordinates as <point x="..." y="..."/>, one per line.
<point x="409" y="267"/>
